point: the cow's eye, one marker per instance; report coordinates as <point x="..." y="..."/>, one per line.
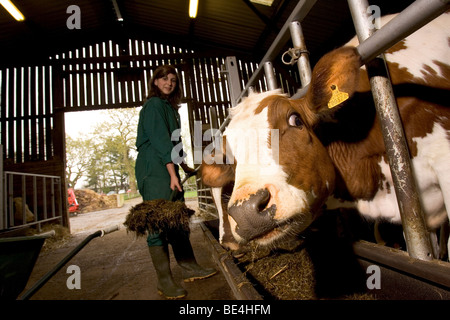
<point x="295" y="120"/>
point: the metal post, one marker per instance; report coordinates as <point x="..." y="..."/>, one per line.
<point x="213" y="124"/>
<point x="298" y="14"/>
<point x="233" y="79"/>
<point x="270" y="76"/>
<point x="415" y="16"/>
<point x="298" y="40"/>
<point x="416" y="234"/>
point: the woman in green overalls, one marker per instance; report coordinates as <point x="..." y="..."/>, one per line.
<point x="157" y="175"/>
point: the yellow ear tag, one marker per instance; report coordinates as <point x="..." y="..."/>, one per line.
<point x="337" y="97"/>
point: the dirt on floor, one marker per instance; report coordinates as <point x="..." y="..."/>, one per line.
<point x="117" y="266"/>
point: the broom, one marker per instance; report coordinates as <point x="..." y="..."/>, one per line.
<point x="159" y="215"/>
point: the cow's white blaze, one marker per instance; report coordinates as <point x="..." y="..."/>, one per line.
<point x="247" y="137"/>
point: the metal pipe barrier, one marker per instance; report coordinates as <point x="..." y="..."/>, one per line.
<point x="50" y="211"/>
<point x="416" y="235"/>
<point x="298" y="40"/>
<point x="415" y="16"/>
<point x="270" y="76"/>
<point x="298" y="14"/>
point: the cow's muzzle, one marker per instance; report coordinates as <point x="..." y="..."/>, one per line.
<point x="252" y="216"/>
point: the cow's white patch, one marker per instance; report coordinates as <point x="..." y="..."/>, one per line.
<point x="432" y="172"/>
<point x="424" y="48"/>
<point x="432" y="169"/>
<point x="247" y="138"/>
<point x="384" y="204"/>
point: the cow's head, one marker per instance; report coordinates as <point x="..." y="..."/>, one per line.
<point x="282" y="172"/>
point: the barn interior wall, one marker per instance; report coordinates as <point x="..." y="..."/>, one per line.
<point x="104" y="75"/>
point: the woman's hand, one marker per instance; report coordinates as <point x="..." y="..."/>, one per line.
<point x="174" y="181"/>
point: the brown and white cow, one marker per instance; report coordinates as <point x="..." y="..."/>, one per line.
<point x="288" y="158"/>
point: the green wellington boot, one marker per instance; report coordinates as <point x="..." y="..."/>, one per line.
<point x="166" y="285"/>
<point x="184" y="255"/>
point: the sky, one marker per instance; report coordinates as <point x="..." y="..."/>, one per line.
<point x="81" y="122"/>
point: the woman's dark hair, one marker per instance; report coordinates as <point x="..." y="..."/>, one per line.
<point x="175" y="97"/>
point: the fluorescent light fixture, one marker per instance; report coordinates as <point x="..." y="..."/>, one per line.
<point x="263" y="2"/>
<point x="11" y="8"/>
<point x="117" y="10"/>
<point x="193" y="6"/>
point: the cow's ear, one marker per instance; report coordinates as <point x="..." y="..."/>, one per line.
<point x="334" y="79"/>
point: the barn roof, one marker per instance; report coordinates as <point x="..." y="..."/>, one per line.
<point x="231" y="26"/>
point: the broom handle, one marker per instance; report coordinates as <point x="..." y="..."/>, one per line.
<point x="188" y="175"/>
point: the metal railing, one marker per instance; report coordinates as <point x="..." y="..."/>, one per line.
<point x="30" y="199"/>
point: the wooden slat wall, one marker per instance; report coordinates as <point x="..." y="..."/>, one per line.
<point x="105" y="75"/>
<point x="26" y="113"/>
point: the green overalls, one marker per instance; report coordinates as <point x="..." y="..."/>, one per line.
<point x="157" y="120"/>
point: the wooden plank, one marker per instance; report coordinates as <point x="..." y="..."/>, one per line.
<point x="102" y="93"/>
<point x="41" y="130"/>
<point x="94" y="96"/>
<point x="11" y="113"/>
<point x="48" y="113"/>
<point x="19" y="113"/>
<point x="3" y="118"/>
<point x="33" y="114"/>
<point x="26" y="111"/>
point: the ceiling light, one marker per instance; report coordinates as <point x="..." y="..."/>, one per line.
<point x="263" y="2"/>
<point x="193" y="5"/>
<point x="11" y="8"/>
<point x="117" y="11"/>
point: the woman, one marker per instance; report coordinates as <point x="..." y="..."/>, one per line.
<point x="157" y="175"/>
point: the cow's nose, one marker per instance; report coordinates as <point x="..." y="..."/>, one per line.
<point x="252" y="216"/>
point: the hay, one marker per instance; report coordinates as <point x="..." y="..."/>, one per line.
<point x="158" y="216"/>
<point x="318" y="264"/>
<point x="91" y="201"/>
<point x="280" y="274"/>
<point x="288" y="275"/>
<point x="61" y="238"/>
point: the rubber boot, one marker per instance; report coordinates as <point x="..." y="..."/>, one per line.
<point x="184" y="255"/>
<point x="166" y="285"/>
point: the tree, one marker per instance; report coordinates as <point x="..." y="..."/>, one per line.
<point x="119" y="130"/>
<point x="78" y="158"/>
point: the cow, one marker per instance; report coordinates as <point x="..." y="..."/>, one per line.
<point x="327" y="149"/>
<point x="18" y="214"/>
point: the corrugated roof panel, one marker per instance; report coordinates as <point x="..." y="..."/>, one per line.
<point x="226" y="24"/>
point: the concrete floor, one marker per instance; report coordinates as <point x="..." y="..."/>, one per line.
<point x="118" y="267"/>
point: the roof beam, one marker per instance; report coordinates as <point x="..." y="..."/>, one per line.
<point x="261" y="16"/>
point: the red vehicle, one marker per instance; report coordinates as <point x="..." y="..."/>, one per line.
<point x="72" y="199"/>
